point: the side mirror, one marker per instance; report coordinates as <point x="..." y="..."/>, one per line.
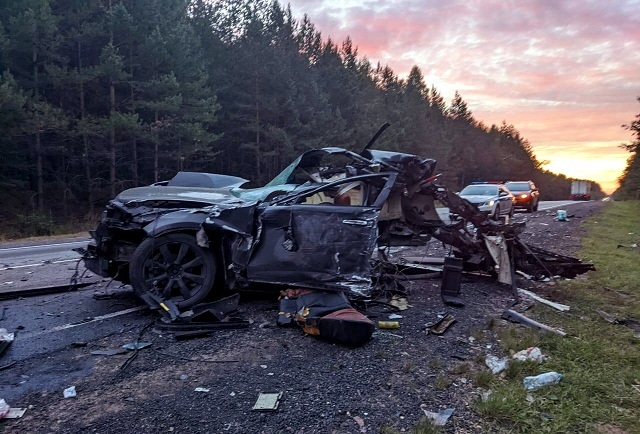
<point x="503" y="194"/>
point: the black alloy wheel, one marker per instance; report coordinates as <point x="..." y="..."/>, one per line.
<point x="174" y="267"/>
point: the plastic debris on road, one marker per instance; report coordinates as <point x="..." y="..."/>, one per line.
<point x="4" y="408"/>
<point x="201" y="389"/>
<point x="136" y="345"/>
<point x="533" y="354"/>
<point x="546" y="379"/>
<point x="562" y="215"/>
<point x="69" y="392"/>
<point x="5" y="339"/>
<point x="496" y="364"/>
<point x="440" y="418"/>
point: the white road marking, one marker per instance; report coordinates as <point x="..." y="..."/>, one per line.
<point x="10" y="249"/>
<point x="72" y="325"/>
<point x="39" y="264"/>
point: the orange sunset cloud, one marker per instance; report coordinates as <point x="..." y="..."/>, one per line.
<point x="563" y="73"/>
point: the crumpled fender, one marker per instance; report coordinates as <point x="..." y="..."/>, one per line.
<point x="176" y="221"/>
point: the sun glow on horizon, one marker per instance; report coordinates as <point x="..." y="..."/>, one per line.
<point x="589" y="163"/>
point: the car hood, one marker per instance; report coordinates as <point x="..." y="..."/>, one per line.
<point x="199" y="196"/>
<point x="183" y="194"/>
<point x="478" y="199"/>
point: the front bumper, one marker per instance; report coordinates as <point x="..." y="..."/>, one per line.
<point x="108" y="255"/>
<point x="523" y="202"/>
<point x="94" y="263"/>
<point x="486" y="209"/>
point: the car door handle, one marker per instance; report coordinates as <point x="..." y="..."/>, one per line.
<point x="357" y="222"/>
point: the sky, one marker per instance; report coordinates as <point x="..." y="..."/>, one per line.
<point x="565" y="73"/>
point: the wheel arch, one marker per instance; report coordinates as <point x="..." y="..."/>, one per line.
<point x="178" y="221"/>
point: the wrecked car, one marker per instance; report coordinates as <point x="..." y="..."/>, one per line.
<point x="315" y="225"/>
<point x="321" y="224"/>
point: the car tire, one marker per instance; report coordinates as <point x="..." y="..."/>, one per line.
<point x="174" y="267"/>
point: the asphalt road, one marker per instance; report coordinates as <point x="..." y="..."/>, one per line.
<point x="29" y="255"/>
<point x="443" y="213"/>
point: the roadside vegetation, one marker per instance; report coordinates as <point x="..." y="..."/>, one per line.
<point x="600" y="361"/>
<point x="43" y="225"/>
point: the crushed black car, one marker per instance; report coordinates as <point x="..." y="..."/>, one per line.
<point x="316" y="225"/>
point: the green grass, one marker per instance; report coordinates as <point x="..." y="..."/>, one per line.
<point x="600" y="361"/>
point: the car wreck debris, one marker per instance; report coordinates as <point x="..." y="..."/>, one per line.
<point x="440" y="418"/>
<point x="328" y="315"/>
<point x="4" y="408"/>
<point x="69" y="392"/>
<point x="317" y="225"/>
<point x="5" y="339"/>
<point x="201" y="389"/>
<point x="558" y="306"/>
<point x="441" y="326"/>
<point x="44" y="290"/>
<point x="451" y="279"/>
<point x="267" y="402"/>
<point x="133" y="346"/>
<point x="7" y="412"/>
<point x="633" y="324"/>
<point x="516" y="317"/>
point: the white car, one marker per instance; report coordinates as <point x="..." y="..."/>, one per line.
<point x="493" y="199"/>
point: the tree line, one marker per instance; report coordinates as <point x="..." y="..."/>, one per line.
<point x="630" y="178"/>
<point x="99" y="96"/>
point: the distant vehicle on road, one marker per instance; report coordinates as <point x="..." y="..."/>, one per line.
<point x="526" y="193"/>
<point x="495" y="200"/>
<point x="580" y="190"/>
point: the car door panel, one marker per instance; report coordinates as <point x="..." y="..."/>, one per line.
<point x="316" y="246"/>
